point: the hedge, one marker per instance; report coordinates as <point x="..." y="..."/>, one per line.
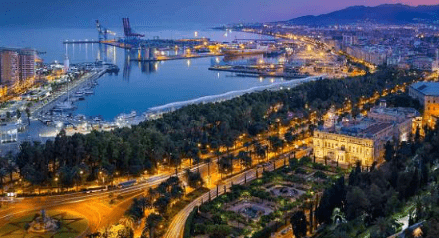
<point x="189" y="222"/>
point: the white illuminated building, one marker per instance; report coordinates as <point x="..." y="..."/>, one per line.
<point x="66" y="64"/>
<point x="8" y="133"/>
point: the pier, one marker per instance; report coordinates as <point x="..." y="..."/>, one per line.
<point x="174" y="57"/>
<point x="253" y="71"/>
<point x="66" y="42"/>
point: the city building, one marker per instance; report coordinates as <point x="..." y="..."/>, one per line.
<point x="347" y="141"/>
<point x="27" y="66"/>
<point x="8" y="133"/>
<point x="17" y="67"/>
<point x="3" y="90"/>
<point x="9" y="73"/>
<point x="428" y="95"/>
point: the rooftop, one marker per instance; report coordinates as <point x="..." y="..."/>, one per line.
<point x="427" y="88"/>
<point x="363" y="128"/>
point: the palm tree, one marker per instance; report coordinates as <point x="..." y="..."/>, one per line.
<point x="208" y="161"/>
<point x="218" y="154"/>
<point x="28" y="115"/>
<point x="10" y="168"/>
<point x="152" y="194"/>
<point x="151" y="223"/>
<point x="3" y="174"/>
<point x="18" y="113"/>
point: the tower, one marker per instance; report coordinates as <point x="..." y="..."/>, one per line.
<point x="66" y="64"/>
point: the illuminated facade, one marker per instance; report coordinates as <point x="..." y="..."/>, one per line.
<point x="27" y="66"/>
<point x="16" y="65"/>
<point x="362" y="139"/>
<point x="428" y="95"/>
<point x="8" y="133"/>
<point x="9" y="73"/>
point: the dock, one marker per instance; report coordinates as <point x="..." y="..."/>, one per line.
<point x="176" y="57"/>
<point x="250" y="72"/>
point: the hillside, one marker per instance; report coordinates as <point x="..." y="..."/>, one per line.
<point x="385" y="14"/>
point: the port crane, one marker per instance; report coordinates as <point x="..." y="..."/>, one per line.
<point x="103" y="32"/>
<point x="128" y="31"/>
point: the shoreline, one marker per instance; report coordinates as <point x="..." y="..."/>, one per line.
<point x="291" y="83"/>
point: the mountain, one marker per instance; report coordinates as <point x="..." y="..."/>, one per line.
<point x="384" y="14"/>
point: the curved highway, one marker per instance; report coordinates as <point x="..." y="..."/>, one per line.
<point x="176" y="227"/>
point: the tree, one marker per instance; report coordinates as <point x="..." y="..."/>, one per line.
<point x="357" y="203"/>
<point x="194" y="179"/>
<point x="3" y="174"/>
<point x="152" y="222"/>
<point x="161" y="204"/>
<point x="245" y="160"/>
<point x="18" y="112"/>
<point x="28" y="115"/>
<point x="289" y="137"/>
<point x="298" y="222"/>
<point x="389" y="151"/>
<point x="208" y="161"/>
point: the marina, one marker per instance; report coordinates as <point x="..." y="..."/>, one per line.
<point x="158" y="77"/>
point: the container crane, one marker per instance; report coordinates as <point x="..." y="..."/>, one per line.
<point x="103" y="32"/>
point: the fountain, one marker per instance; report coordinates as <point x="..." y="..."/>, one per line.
<point x="251" y="212"/>
<point x="43" y="223"/>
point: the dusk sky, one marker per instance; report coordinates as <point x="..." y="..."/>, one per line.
<point x="154" y="12"/>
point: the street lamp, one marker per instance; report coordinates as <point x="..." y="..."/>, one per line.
<point x="56" y="181"/>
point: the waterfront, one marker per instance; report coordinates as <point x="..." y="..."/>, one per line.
<point x="140" y="86"/>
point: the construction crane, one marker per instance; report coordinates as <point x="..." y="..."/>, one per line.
<point x="129" y="33"/>
<point x="103" y="32"/>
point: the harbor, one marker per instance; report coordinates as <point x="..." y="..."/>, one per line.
<point x="158" y="76"/>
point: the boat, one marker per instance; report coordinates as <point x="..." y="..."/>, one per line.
<point x="124" y="116"/>
<point x="88" y="92"/>
<point x="80" y="117"/>
<point x="246" y="50"/>
<point x="64" y="106"/>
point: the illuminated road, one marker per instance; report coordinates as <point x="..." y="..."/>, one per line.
<point x="96" y="208"/>
<point x="176" y="227"/>
<point x="90" y="205"/>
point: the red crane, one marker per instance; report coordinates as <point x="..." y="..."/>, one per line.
<point x="127" y="29"/>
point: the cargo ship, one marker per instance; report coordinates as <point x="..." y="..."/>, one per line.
<point x="246" y="50"/>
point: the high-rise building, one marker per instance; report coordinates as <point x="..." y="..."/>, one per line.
<point x="26" y="63"/>
<point x="9" y="62"/>
<point x="16" y="65"/>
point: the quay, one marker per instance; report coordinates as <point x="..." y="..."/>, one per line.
<point x="63" y="95"/>
<point x="253" y="72"/>
<point x="66" y="42"/>
<point x="176" y="57"/>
